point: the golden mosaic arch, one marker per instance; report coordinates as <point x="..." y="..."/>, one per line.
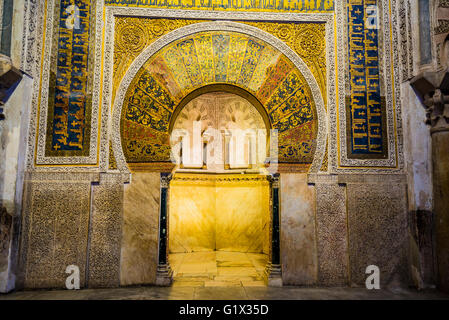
<point x="134" y="34"/>
<point x="208" y="58"/>
<point x="151" y="82"/>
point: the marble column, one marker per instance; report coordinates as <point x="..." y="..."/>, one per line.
<point x="438" y="118"/>
<point x="273" y="270"/>
<point x="164" y="274"/>
<point x="434" y="90"/>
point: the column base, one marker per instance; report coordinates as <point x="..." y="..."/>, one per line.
<point x="164" y="275"/>
<point x="273" y="274"/>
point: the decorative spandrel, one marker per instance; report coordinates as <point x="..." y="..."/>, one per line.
<point x="133" y="35"/>
<point x="308" y="41"/>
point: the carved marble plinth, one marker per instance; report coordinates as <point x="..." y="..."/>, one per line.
<point x="164" y="275"/>
<point x="273" y="274"/>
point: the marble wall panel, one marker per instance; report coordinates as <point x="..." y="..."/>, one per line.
<point x="220" y="212"/>
<point x="139" y="251"/>
<point x="192" y="216"/>
<point x="242" y="216"/>
<point x="54" y="232"/>
<point x="331" y="234"/>
<point x="377" y="228"/>
<point x="298" y="239"/>
<point x="106" y="232"/>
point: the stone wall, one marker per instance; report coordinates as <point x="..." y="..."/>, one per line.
<point x="77" y="219"/>
<point x="332" y="233"/>
<point x="418" y="165"/>
<point x="13" y="137"/>
<point x="54" y="229"/>
<point x="105" y="233"/>
<point x="71" y="219"/>
<point x="377" y="228"/>
<point x="424" y="30"/>
<point x="13" y="141"/>
<point x="14" y="121"/>
<point x="334" y="226"/>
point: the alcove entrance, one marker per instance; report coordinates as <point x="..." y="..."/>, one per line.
<point x="219" y="198"/>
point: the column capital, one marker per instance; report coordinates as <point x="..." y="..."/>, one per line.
<point x="165" y="179"/>
<point x="437" y="106"/>
<point x="433" y="88"/>
<point x="274" y="180"/>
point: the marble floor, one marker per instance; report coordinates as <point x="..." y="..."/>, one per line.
<point x="223" y="276"/>
<point x="226" y="293"/>
<point x="218" y="269"/>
